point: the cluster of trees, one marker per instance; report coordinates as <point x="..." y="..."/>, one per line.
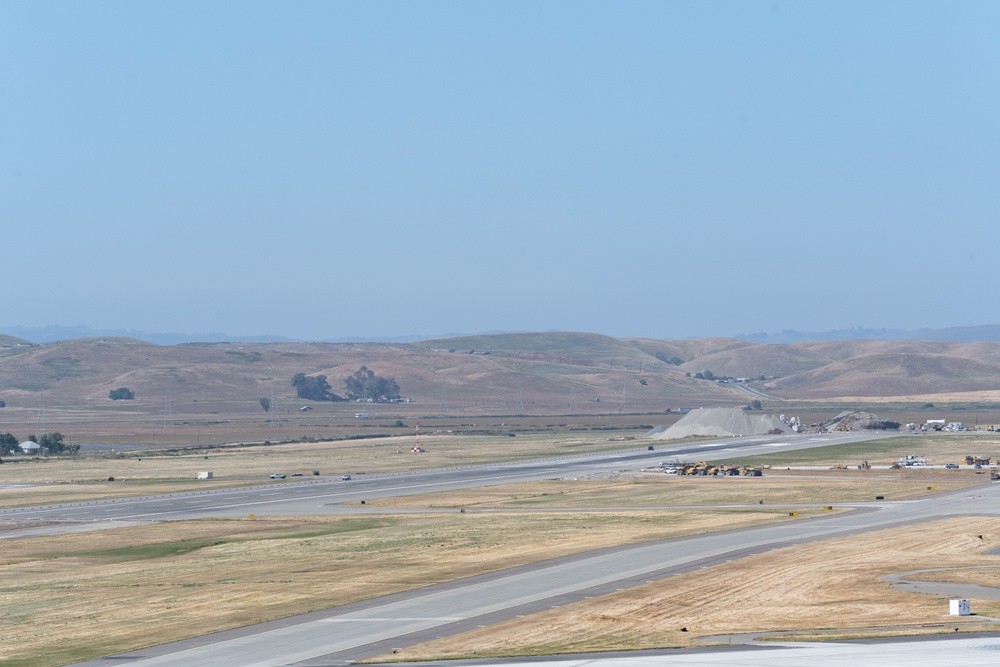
<point x="121" y="394"/>
<point x="676" y="361"/>
<point x="313" y="388"/>
<point x="51" y="443"/>
<point x="363" y="385"/>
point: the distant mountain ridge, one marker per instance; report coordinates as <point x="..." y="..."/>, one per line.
<point x="966" y="334"/>
<point x="55" y="332"/>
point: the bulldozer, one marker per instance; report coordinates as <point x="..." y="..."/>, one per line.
<point x="839" y="466"/>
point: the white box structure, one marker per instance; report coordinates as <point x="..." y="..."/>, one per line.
<point x="205" y="475"/>
<point x="960" y="607"/>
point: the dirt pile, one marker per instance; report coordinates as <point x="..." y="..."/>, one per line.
<point x="852" y="421"/>
<point x="720" y="422"/>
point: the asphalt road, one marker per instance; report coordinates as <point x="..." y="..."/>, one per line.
<point x="341" y="635"/>
<point x="352" y="632"/>
<point x="322" y="495"/>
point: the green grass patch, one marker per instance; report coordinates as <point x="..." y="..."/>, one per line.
<point x="181" y="547"/>
<point x="147" y="551"/>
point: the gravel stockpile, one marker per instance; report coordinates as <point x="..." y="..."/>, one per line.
<point x="720" y="422"/>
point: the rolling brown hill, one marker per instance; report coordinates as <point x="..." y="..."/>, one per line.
<point x="756" y="360"/>
<point x="496" y="375"/>
<point x="882" y="375"/>
<point x="533" y="373"/>
<point x="6" y="341"/>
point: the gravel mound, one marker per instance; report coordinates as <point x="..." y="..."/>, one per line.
<point x="720" y="422"/>
<point x="853" y="421"/>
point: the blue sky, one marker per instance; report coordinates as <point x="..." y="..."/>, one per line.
<point x="665" y="169"/>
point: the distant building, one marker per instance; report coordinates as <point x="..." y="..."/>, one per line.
<point x="30" y="447"/>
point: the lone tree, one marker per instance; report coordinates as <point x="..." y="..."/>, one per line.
<point x="364" y="385"/>
<point x="313" y="388"/>
<point x="121" y="394"/>
<point x="8" y="443"/>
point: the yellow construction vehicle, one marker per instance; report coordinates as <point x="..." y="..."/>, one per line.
<point x="839" y="466"/>
<point x="977" y="460"/>
<point x="699" y="468"/>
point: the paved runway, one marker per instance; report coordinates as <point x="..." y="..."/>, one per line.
<point x="946" y="651"/>
<point x="352" y="632"/>
<point x="321" y="496"/>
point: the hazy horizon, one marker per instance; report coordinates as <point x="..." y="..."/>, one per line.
<point x="53" y="333"/>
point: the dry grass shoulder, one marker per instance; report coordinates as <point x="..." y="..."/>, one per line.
<point x="984" y="575"/>
<point x="659" y="490"/>
<point x="779" y="590"/>
<point x="939" y="449"/>
<point x="73" y="479"/>
<point x="76" y="597"/>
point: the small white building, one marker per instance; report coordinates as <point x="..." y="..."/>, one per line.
<point x="960" y="607"/>
<point x="30" y="447"/>
<point x="206" y="475"/>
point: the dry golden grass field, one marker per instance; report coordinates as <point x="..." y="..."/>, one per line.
<point x="830" y="584"/>
<point x="72" y="479"/>
<point x="76" y="597"/>
<point x="939" y="449"/>
<point x="658" y="490"/>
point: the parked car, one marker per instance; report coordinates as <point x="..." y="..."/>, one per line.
<point x="277" y="475"/>
<point x="952" y="466"/>
<point x="346" y="478"/>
